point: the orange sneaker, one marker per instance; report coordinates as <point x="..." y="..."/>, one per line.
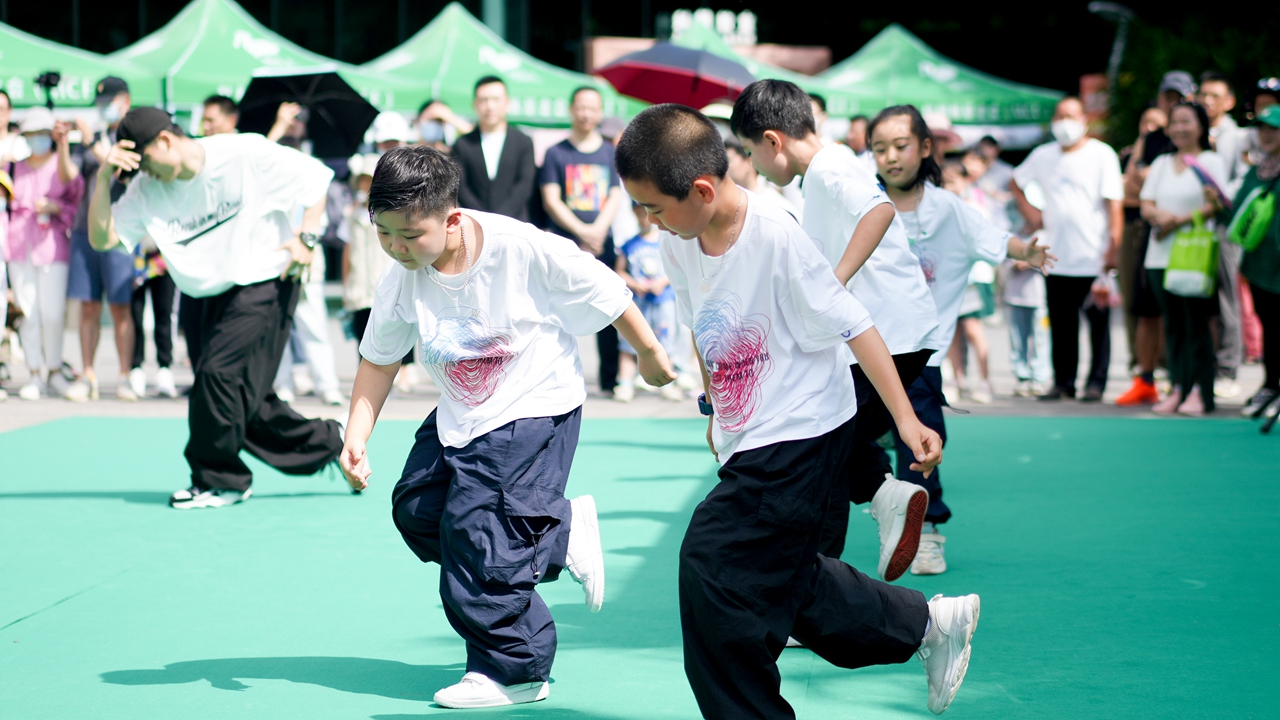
<point x="1140" y="393"/>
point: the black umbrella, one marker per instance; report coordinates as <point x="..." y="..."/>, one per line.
<point x="667" y="73"/>
<point x="336" y="119"/>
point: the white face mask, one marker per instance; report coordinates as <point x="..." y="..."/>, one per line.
<point x="1067" y="132"/>
<point x="40" y="144"/>
<point x="110" y="113"/>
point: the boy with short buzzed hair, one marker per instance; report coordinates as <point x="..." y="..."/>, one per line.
<point x="492" y="306"/>
<point x="769" y="319"/>
<point x="851" y="219"/>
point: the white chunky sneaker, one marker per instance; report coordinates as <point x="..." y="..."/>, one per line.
<point x="585" y="556"/>
<point x="624" y="392"/>
<point x="138" y="382"/>
<point x="930" y="558"/>
<point x="478" y="691"/>
<point x="945" y="649"/>
<point x="125" y="390"/>
<point x="193" y="497"/>
<point x="333" y="397"/>
<point x="898" y="508"/>
<point x="165" y="387"/>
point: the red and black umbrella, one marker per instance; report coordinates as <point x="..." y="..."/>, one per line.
<point x="667" y="73"/>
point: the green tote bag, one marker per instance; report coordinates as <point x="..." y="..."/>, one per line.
<point x="1193" y="261"/>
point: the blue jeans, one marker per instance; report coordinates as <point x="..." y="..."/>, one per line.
<point x="494" y="516"/>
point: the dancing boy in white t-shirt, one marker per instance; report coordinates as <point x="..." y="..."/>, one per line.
<point x="853" y="222"/>
<point x="773" y="328"/>
<point x="492" y="306"/>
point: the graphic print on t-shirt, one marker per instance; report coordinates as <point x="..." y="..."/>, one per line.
<point x="473" y="356"/>
<point x="586" y="186"/>
<point x="736" y="352"/>
<point x="229" y="190"/>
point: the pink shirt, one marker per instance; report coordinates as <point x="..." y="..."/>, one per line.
<point x="33" y="238"/>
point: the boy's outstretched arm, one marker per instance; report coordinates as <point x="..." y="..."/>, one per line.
<point x="373" y="384"/>
<point x="866" y="238"/>
<point x="654" y="365"/>
<point x="877" y="363"/>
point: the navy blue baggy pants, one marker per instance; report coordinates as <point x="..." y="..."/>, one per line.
<point x="494" y="516"/>
<point x="927" y="399"/>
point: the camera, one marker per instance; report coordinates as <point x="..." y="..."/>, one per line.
<point x="49" y="80"/>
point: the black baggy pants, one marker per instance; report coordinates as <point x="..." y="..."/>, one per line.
<point x="494" y="516"/>
<point x="1188" y="340"/>
<point x="1267" y="305"/>
<point x="162" y="290"/>
<point x="863" y="473"/>
<point x="1065" y="297"/>
<point x="751" y="574"/>
<point x="244" y="332"/>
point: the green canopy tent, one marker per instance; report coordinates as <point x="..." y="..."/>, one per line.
<point x="898" y="68"/>
<point x="23" y="57"/>
<point x="840" y="101"/>
<point x="455" y="49"/>
<point x="214" y="47"/>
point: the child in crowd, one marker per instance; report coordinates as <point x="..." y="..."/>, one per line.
<point x="771" y="324"/>
<point x="363" y="259"/>
<point x="979" y="295"/>
<point x="1024" y="301"/>
<point x="854" y="225"/>
<point x="640" y="265"/>
<point x="948" y="236"/>
<point x="493" y="306"/>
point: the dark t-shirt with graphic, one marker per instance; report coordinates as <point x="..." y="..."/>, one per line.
<point x="585" y="179"/>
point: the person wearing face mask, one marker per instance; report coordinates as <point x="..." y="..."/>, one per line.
<point x="434" y="122"/>
<point x="37" y="248"/>
<point x="94" y="275"/>
<point x="1083" y="219"/>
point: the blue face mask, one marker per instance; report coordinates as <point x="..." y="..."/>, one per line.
<point x="431" y="131"/>
<point x="40" y="144"/>
<point x="110" y="113"/>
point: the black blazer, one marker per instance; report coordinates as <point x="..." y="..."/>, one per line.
<point x="511" y="189"/>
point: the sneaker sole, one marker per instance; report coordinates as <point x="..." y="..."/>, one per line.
<point x="518" y="697"/>
<point x="909" y="542"/>
<point x="591" y="523"/>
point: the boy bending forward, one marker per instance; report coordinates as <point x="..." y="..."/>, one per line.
<point x="492" y="306"/>
<point x="768" y="318"/>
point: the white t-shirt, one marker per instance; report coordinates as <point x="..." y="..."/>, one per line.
<point x="224" y="227"/>
<point x="1178" y="193"/>
<point x="772" y="330"/>
<point x="1077" y="186"/>
<point x="506" y="349"/>
<point x="838" y="191"/>
<point x="491" y="145"/>
<point x="948" y="236"/>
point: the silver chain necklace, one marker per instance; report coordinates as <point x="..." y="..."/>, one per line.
<point x="466" y="279"/>
<point x="706" y="281"/>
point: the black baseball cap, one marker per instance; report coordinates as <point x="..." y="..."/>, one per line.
<point x="109" y="87"/>
<point x="142" y="125"/>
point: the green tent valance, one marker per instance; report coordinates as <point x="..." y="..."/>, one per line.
<point x="23" y="57"/>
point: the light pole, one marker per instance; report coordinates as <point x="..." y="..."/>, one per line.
<point x="1120" y="15"/>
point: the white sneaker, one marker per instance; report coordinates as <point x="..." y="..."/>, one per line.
<point x="624" y="393"/>
<point x="478" y="691"/>
<point x="302" y="382"/>
<point x="125" y="390"/>
<point x="945" y="649"/>
<point x="86" y="388"/>
<point x="585" y="556"/>
<point x="4" y="394"/>
<point x="333" y="397"/>
<point x="165" y="387"/>
<point x="193" y="497"/>
<point x="1225" y="387"/>
<point x="981" y="392"/>
<point x="898" y="508"/>
<point x="929" y="558"/>
<point x="138" y="382"/>
<point x="32" y="390"/>
<point x="285" y="395"/>
<point x="57" y="385"/>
